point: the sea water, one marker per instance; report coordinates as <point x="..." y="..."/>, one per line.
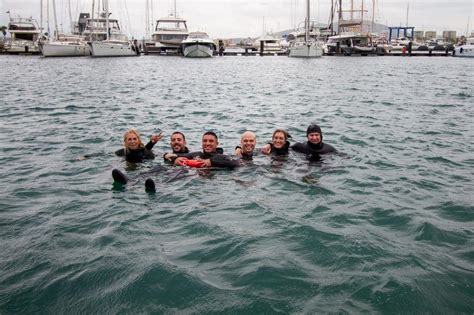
<point x="385" y="226"/>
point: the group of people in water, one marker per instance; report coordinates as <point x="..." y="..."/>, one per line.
<point x="135" y="151"/>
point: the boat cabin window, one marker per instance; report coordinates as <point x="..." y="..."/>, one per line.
<point x="171" y="37"/>
<point x="25" y="36"/>
<point x="171" y="25"/>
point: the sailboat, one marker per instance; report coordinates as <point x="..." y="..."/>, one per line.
<point x="72" y="45"/>
<point x="116" y="43"/>
<point x="306" y="46"/>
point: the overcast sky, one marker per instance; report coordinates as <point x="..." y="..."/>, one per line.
<point x="247" y="18"/>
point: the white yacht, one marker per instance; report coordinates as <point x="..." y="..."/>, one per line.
<point x="271" y="44"/>
<point x="304" y="45"/>
<point x="111" y="43"/>
<point x="198" y="45"/>
<point x="466" y="50"/>
<point x="24" y="36"/>
<point x="169" y="33"/>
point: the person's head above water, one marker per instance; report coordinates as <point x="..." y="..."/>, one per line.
<point x="248" y="140"/>
<point x="279" y="138"/>
<point x="209" y="142"/>
<point x="178" y="142"/>
<point x="314" y="134"/>
<point x="131" y="140"/>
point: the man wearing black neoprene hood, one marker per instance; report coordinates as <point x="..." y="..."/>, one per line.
<point x="315" y="145"/>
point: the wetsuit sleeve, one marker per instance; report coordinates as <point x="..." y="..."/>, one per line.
<point x="299" y="147"/>
<point x="221" y="160"/>
<point x="120" y="152"/>
<point x="327" y="148"/>
<point x="149" y="145"/>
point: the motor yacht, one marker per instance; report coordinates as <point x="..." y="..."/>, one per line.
<point x="198" y="45"/>
<point x="465" y="50"/>
<point x="24" y="36"/>
<point x="169" y="33"/>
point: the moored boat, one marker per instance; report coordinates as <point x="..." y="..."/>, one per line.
<point x="198" y="45"/>
<point x="304" y="45"/>
<point x="24" y="36"/>
<point x="465" y="50"/>
<point x="169" y="33"/>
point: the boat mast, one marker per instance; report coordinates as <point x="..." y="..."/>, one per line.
<point x="467" y="28"/>
<point x="373" y="15"/>
<point x="70" y="16"/>
<point x="56" y="36"/>
<point x="107" y="18"/>
<point x="92" y="22"/>
<point x="362" y="18"/>
<point x="147" y="17"/>
<point x="47" y="17"/>
<point x="307" y="22"/>
<point x="41" y="17"/>
<point x="175" y="9"/>
<point x="408" y="9"/>
<point x="340" y="18"/>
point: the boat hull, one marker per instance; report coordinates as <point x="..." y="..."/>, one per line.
<point x="306" y="51"/>
<point x="198" y="51"/>
<point x="466" y="51"/>
<point x="65" y="49"/>
<point x="111" y="49"/>
<point x="21" y="47"/>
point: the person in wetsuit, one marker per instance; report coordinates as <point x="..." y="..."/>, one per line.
<point x="178" y="145"/>
<point x="279" y="145"/>
<point x="315" y="146"/>
<point x="210" y="155"/>
<point x="246" y="149"/>
<point x="134" y="150"/>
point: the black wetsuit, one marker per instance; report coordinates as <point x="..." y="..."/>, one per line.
<point x="281" y="151"/>
<point x="137" y="156"/>
<point x="185" y="150"/>
<point x="313" y="150"/>
<point x="246" y="156"/>
<point x="217" y="158"/>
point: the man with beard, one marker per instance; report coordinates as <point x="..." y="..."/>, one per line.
<point x="210" y="155"/>
<point x="178" y="145"/>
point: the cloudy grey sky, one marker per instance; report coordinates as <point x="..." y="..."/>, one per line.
<point x="243" y="18"/>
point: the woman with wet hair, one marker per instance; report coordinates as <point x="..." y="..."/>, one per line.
<point x="134" y="150"/>
<point x="279" y="145"/>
